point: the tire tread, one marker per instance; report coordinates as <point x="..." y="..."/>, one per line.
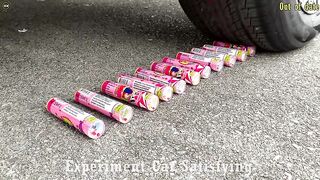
<point x="247" y="22"/>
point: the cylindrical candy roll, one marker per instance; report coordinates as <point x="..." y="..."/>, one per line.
<point x="107" y="106"/>
<point x="84" y="122"/>
<point x="139" y="98"/>
<point x="178" y="85"/>
<point x="204" y="71"/>
<point x="251" y="50"/>
<point x="164" y="92"/>
<point x="215" y="63"/>
<point x="229" y="61"/>
<point x="228" y="45"/>
<point x="189" y="76"/>
<point x="241" y="55"/>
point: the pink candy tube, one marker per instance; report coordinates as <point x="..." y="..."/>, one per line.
<point x="104" y="105"/>
<point x="139" y="98"/>
<point x="84" y="122"/>
<point x="178" y="85"/>
<point x="251" y="50"/>
<point x="189" y="76"/>
<point x="229" y="61"/>
<point x="216" y="64"/>
<point x="241" y="55"/>
<point x="204" y="71"/>
<point x="164" y="92"/>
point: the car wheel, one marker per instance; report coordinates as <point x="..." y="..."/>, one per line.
<point x="269" y="25"/>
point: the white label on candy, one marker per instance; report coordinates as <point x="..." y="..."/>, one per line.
<point x="104" y="102"/>
<point x="75" y="112"/>
<point x="144" y="87"/>
<point x="196" y="50"/>
<point x="125" y="81"/>
<point x="142" y="76"/>
<point x="213" y="54"/>
<point x="227" y="51"/>
<point x="222" y="49"/>
<point x="138" y="85"/>
<point x="200" y="58"/>
<point x="153" y="79"/>
<point x="159" y="80"/>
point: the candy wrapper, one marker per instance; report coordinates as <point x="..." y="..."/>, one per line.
<point x="107" y="106"/>
<point x="204" y="71"/>
<point x="215" y="63"/>
<point x="123" y="92"/>
<point x="164" y="92"/>
<point x="178" y="85"/>
<point x="189" y="76"/>
<point x="241" y="55"/>
<point x="229" y="61"/>
<point x="82" y="121"/>
<point x="251" y="50"/>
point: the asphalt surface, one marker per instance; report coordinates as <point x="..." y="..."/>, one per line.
<point x="261" y="116"/>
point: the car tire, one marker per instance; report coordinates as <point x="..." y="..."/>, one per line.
<point x="253" y="22"/>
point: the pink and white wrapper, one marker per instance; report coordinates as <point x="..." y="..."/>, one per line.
<point x="164" y="92"/>
<point x="178" y="85"/>
<point x="251" y="50"/>
<point x="229" y="61"/>
<point x="123" y="92"/>
<point x="216" y="63"/>
<point x="241" y="55"/>
<point x="189" y="76"/>
<point x="107" y="106"/>
<point x="82" y="121"/>
<point x="204" y="71"/>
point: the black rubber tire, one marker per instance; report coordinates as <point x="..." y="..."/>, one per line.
<point x="251" y="22"/>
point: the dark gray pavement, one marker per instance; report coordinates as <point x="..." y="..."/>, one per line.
<point x="262" y="115"/>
